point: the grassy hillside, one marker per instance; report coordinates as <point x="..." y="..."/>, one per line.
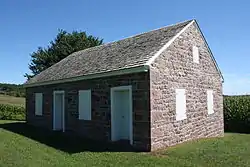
<point x="12" y="90"/>
<point x="23" y="145"/>
<point x="17" y="101"/>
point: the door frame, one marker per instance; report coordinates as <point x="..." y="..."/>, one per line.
<point x="113" y="90"/>
<point x="63" y="108"/>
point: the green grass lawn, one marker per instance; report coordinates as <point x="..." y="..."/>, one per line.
<point x="18" y="101"/>
<point x="23" y="145"/>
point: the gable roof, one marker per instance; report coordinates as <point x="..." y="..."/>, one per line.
<point x="128" y="55"/>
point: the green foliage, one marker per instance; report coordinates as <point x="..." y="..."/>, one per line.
<point x="63" y="45"/>
<point x="237" y="113"/>
<point x="11" y="112"/>
<point x="12" y="90"/>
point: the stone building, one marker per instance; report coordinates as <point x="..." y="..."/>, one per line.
<point x="153" y="90"/>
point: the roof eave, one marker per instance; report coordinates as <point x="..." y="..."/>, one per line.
<point x="136" y="69"/>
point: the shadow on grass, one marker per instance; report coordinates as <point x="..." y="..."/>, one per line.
<point x="67" y="142"/>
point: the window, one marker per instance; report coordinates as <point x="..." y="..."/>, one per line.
<point x="195" y="54"/>
<point x="38" y="103"/>
<point x="180" y="104"/>
<point x="210" y="102"/>
<point x="84" y="104"/>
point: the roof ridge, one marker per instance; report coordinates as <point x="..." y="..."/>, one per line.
<point x="132" y="36"/>
<point x="167" y="26"/>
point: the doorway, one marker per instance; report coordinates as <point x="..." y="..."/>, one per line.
<point x="121" y="114"/>
<point x="58" y="111"/>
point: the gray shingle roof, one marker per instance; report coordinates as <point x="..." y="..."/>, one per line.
<point x="125" y="53"/>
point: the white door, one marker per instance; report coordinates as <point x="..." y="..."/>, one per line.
<point x="58" y="111"/>
<point x="121" y="115"/>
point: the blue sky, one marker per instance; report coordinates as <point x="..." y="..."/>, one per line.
<point x="27" y="24"/>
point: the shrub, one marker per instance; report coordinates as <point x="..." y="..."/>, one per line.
<point x="237" y="113"/>
<point x="10" y="112"/>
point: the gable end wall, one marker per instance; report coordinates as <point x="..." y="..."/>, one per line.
<point x="174" y="69"/>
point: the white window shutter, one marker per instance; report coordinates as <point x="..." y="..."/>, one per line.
<point x="210" y="102"/>
<point x="195" y="54"/>
<point x="84" y="104"/>
<point x="180" y="104"/>
<point x="38" y="103"/>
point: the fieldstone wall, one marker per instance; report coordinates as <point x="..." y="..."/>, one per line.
<point x="100" y="126"/>
<point x="173" y="69"/>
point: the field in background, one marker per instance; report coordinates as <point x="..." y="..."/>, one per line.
<point x="237" y="113"/>
<point x="17" y="101"/>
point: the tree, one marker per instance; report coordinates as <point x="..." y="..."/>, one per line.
<point x="63" y="45"/>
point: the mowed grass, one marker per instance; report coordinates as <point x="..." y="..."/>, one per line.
<point x="17" y="101"/>
<point x="23" y="145"/>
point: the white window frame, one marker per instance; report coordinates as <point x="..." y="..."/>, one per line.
<point x="210" y="102"/>
<point x="39" y="104"/>
<point x="84" y="114"/>
<point x="181" y="111"/>
<point x="196" y="55"/>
